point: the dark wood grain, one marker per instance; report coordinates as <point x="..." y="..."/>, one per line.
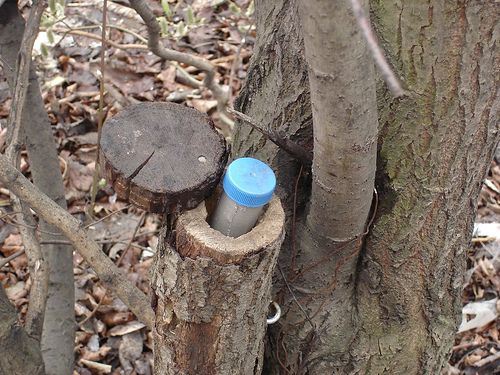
<point x="162" y="157"/>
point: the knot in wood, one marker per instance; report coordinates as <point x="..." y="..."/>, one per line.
<point x="162" y="157"/>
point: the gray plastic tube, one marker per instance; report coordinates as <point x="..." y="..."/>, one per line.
<point x="248" y="186"/>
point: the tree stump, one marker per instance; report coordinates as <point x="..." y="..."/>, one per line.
<point x="162" y="157"/>
<point x="213" y="295"/>
<point x="211" y="292"/>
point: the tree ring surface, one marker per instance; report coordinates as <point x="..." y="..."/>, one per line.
<point x="162" y="157"/>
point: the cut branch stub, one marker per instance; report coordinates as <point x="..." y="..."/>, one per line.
<point x="162" y="157"/>
<point x="213" y="294"/>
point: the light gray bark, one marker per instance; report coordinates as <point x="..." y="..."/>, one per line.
<point x="343" y="174"/>
<point x="59" y="324"/>
<point x="344" y="122"/>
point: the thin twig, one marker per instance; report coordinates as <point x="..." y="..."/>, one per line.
<point x="107" y="216"/>
<point x="37" y="265"/>
<point x="100" y="242"/>
<point x="94" y="311"/>
<point x="100" y="111"/>
<point x="295" y="298"/>
<point x="5" y="261"/>
<point x="33" y="226"/>
<point x="491" y="358"/>
<point x="139" y="224"/>
<point x="72" y="228"/>
<point x="294" y="217"/>
<point x="117" y="27"/>
<point x="295" y="150"/>
<point x="3" y="216"/>
<point x="97" y="37"/>
<point x="378" y="55"/>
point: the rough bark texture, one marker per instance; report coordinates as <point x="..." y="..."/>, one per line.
<point x="219" y="290"/>
<point x="59" y="324"/>
<point x="20" y="353"/>
<point x="434" y="148"/>
<point x="276" y="93"/>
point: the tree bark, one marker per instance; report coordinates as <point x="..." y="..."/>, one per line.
<point x="59" y="324"/>
<point x="434" y="147"/>
<point x="20" y="353"/>
<point x="219" y="291"/>
<point x="343" y="175"/>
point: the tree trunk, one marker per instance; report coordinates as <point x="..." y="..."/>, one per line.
<point x="59" y="324"/>
<point x="20" y="353"/>
<point x="434" y="147"/>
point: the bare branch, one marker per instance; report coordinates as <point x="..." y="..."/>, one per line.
<point x="387" y="73"/>
<point x="100" y="110"/>
<point x="20" y="86"/>
<point x="5" y="261"/>
<point x="37" y="265"/>
<point x="168" y="54"/>
<point x="287" y="145"/>
<point x="86" y="34"/>
<point x="129" y="244"/>
<point x="49" y="211"/>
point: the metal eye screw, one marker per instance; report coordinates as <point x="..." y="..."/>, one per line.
<point x="276" y="316"/>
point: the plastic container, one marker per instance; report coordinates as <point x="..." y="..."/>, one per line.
<point x="248" y="186"/>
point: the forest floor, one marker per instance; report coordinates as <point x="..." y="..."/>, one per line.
<point x="109" y="339"/>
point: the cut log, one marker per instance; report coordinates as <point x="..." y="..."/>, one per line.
<point x="162" y="157"/>
<point x="213" y="295"/>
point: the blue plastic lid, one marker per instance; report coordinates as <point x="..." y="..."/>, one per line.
<point x="249" y="182"/>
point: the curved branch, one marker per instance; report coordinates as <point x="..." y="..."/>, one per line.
<point x="49" y="211"/>
<point x="38" y="266"/>
<point x="158" y="49"/>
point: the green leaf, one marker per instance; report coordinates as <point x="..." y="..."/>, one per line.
<point x="166" y="9"/>
<point x="52" y="6"/>
<point x="181" y="29"/>
<point x="163" y="26"/>
<point x="190" y="19"/>
<point x="102" y="183"/>
<point x="50" y="36"/>
<point x="44" y="50"/>
<point x="234" y="8"/>
<point x="250" y="9"/>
